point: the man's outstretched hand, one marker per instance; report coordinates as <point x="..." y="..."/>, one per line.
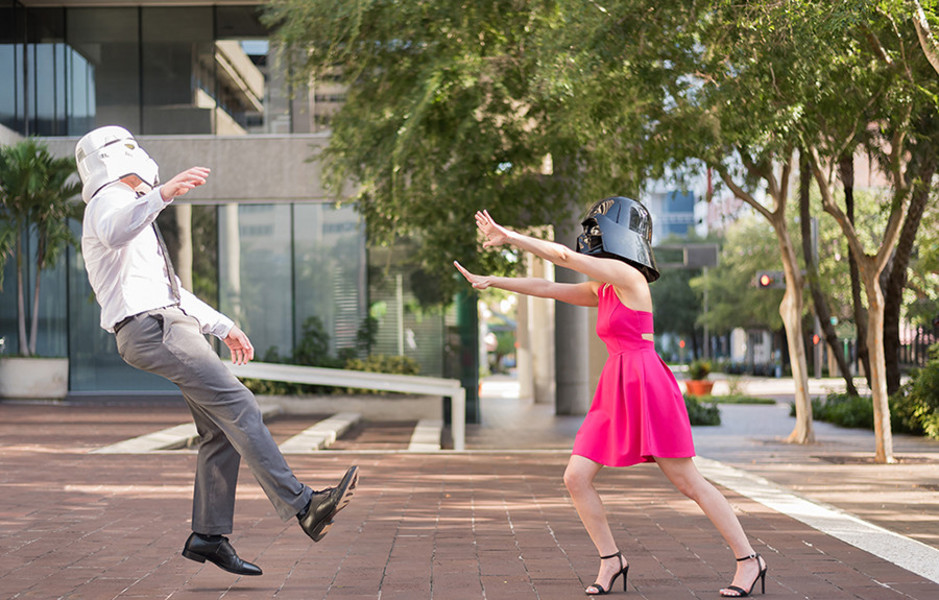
<point x="182" y="183"/>
<point x="241" y="349"/>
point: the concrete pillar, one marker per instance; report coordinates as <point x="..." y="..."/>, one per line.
<point x="231" y="293"/>
<point x="571" y="335"/>
<point x="183" y="264"/>
<point x="523" y="366"/>
<point x="541" y="335"/>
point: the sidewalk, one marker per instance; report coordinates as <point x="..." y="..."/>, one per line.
<point x="491" y="523"/>
<point x="837" y="469"/>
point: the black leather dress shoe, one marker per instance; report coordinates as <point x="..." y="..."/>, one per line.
<point x="318" y="515"/>
<point x="220" y="552"/>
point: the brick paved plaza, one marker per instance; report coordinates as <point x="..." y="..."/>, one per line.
<point x="486" y="524"/>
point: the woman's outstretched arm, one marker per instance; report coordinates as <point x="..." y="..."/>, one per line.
<point x="580" y="294"/>
<point x="599" y="269"/>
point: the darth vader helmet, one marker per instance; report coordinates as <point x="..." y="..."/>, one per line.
<point x="108" y="154"/>
<point x="620" y="228"/>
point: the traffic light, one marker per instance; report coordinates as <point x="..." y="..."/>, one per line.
<point x="766" y="280"/>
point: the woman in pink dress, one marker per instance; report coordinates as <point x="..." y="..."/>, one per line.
<point x="638" y="413"/>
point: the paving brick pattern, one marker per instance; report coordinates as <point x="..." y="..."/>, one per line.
<point x="438" y="526"/>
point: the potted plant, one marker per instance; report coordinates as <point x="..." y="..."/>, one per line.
<point x="37" y="198"/>
<point x="697" y="384"/>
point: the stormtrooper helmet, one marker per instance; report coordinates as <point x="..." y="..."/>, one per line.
<point x="620" y="228"/>
<point x="108" y="154"/>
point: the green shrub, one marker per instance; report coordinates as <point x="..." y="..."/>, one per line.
<point x="915" y="406"/>
<point x="382" y="363"/>
<point x="379" y="363"/>
<point x="738" y="399"/>
<point x="845" y="410"/>
<point x="842" y="410"/>
<point x="313" y="351"/>
<point x="699" y="369"/>
<point x="702" y="414"/>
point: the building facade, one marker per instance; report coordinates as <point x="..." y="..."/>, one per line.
<point x="199" y="83"/>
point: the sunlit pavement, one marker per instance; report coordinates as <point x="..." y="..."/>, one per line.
<point x="494" y="522"/>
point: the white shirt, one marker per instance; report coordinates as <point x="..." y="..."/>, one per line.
<point x="125" y="264"/>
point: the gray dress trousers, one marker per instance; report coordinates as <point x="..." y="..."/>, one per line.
<point x="169" y="343"/>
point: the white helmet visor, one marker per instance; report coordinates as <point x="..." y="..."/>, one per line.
<point x="108" y="154"/>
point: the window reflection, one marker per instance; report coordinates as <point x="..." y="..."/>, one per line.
<point x="152" y="69"/>
<point x="107" y="41"/>
<point x="178" y="77"/>
<point x="12" y="33"/>
<point x="314" y="250"/>
<point x="329" y="253"/>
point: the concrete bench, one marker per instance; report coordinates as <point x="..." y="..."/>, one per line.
<point x="171" y="438"/>
<point x="406" y="384"/>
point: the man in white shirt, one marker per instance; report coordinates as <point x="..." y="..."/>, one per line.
<point x="160" y="327"/>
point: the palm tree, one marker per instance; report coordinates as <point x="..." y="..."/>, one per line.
<point x="36" y="200"/>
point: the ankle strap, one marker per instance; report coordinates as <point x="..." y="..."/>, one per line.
<point x="750" y="557"/>
<point x="614" y="555"/>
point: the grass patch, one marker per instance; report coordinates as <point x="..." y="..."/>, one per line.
<point x="738" y="399"/>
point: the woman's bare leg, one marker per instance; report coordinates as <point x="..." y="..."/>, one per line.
<point x="689" y="481"/>
<point x="578" y="477"/>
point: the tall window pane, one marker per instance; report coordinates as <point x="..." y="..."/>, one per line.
<point x="12" y="30"/>
<point x="242" y="55"/>
<point x="80" y="91"/>
<point x="45" y="88"/>
<point x="330" y="265"/>
<point x="205" y="254"/>
<point x="178" y="70"/>
<point x="107" y="39"/>
<point x="255" y="273"/>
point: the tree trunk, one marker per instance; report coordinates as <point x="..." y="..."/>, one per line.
<point x="21" y="297"/>
<point x="790" y="309"/>
<point x="846" y="170"/>
<point x="871" y="268"/>
<point x="811" y="268"/>
<point x="883" y="436"/>
<point x="34" y="315"/>
<point x="897" y="274"/>
<point x="926" y="39"/>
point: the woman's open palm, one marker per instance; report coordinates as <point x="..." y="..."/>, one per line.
<point x="496" y="234"/>
<point x="479" y="282"/>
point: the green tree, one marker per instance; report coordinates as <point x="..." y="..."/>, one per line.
<point x="677" y="306"/>
<point x="922" y="292"/>
<point x="733" y="299"/>
<point x="442" y="118"/>
<point x="900" y="98"/>
<point x="721" y="106"/>
<point x="36" y="202"/>
<point x="924" y="22"/>
<point x="534" y="109"/>
<point x="763" y="79"/>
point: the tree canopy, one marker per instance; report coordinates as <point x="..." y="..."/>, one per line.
<point x="535" y="109"/>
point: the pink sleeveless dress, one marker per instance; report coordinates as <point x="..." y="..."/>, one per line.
<point x="638" y="411"/>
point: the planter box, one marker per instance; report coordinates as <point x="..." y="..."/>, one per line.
<point x="699" y="387"/>
<point x="33" y="378"/>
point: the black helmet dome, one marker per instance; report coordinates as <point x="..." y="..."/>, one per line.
<point x="621" y="228"/>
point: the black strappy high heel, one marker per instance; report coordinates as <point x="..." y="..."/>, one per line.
<point x="624" y="570"/>
<point x="761" y="577"/>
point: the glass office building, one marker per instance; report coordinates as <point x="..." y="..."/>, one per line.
<point x="270" y="256"/>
